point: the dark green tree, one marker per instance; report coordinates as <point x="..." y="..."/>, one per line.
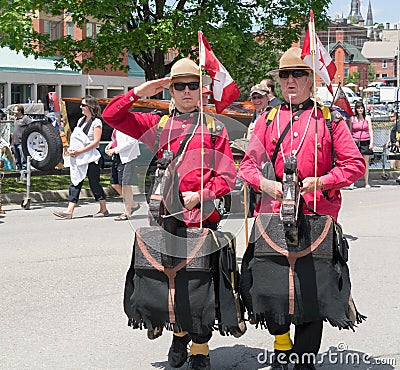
<point x="148" y="29"/>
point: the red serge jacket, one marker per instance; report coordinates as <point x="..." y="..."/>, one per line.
<point x="219" y="171"/>
<point x="350" y="165"/>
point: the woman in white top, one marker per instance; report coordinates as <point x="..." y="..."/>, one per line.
<point x="85" y="158"/>
<point x="124" y="150"/>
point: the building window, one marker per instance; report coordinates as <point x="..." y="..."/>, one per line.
<point x="70" y="29"/>
<point x="46" y="27"/>
<point x="384" y="75"/>
<point x="346" y="58"/>
<point x="90" y="30"/>
<point x="53" y="29"/>
<point x="346" y="73"/>
<point x="384" y="63"/>
<point x="98" y="26"/>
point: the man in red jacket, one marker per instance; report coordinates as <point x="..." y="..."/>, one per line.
<point x="208" y="178"/>
<point x="298" y="113"/>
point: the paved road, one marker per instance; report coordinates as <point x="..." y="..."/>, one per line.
<point x="61" y="286"/>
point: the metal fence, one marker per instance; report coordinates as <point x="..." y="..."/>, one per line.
<point x="5" y="130"/>
<point x="381" y="129"/>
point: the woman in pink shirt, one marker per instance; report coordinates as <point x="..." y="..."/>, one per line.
<point x="363" y="135"/>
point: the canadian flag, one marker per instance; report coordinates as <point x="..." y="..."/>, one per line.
<point x="324" y="65"/>
<point x="225" y="90"/>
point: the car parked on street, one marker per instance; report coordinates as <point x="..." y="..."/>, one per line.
<point x="374" y="99"/>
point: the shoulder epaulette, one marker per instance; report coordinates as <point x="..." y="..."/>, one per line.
<point x="210" y="123"/>
<point x="326" y="112"/>
<point x="162" y="122"/>
<point x="271" y="115"/>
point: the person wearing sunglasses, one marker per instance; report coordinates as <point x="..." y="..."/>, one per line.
<point x="85" y="159"/>
<point x="259" y="96"/>
<point x="363" y="135"/>
<point x="265" y="296"/>
<point x="215" y="178"/>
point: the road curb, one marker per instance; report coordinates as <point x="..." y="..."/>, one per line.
<point x="50" y="196"/>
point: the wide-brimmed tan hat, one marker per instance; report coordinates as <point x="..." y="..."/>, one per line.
<point x="291" y="59"/>
<point x="186" y="67"/>
<point x="261" y="89"/>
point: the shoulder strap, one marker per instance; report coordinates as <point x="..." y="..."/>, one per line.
<point x="160" y="126"/>
<point x="210" y="122"/>
<point x="185" y="140"/>
<point x="285" y="131"/>
<point x="86" y="128"/>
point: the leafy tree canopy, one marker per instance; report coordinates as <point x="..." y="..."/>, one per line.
<point x="244" y="34"/>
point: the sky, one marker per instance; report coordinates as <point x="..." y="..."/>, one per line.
<point x="382" y="10"/>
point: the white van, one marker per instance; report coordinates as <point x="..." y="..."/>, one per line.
<point x="324" y="94"/>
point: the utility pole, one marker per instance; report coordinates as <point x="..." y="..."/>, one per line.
<point x="398" y="75"/>
<point x="398" y="59"/>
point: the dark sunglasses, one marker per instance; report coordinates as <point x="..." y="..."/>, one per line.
<point x="257" y="97"/>
<point x="297" y="73"/>
<point x="83" y="105"/>
<point x="180" y="86"/>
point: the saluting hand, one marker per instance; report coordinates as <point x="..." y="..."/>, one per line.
<point x="151" y="88"/>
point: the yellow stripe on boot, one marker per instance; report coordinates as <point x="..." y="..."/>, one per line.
<point x="283" y="342"/>
<point x="199" y="349"/>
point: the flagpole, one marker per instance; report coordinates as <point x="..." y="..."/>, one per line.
<point x="202" y="135"/>
<point x="312" y="51"/>
<point x="88" y="82"/>
<point x="336" y="93"/>
<point x="246" y="215"/>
